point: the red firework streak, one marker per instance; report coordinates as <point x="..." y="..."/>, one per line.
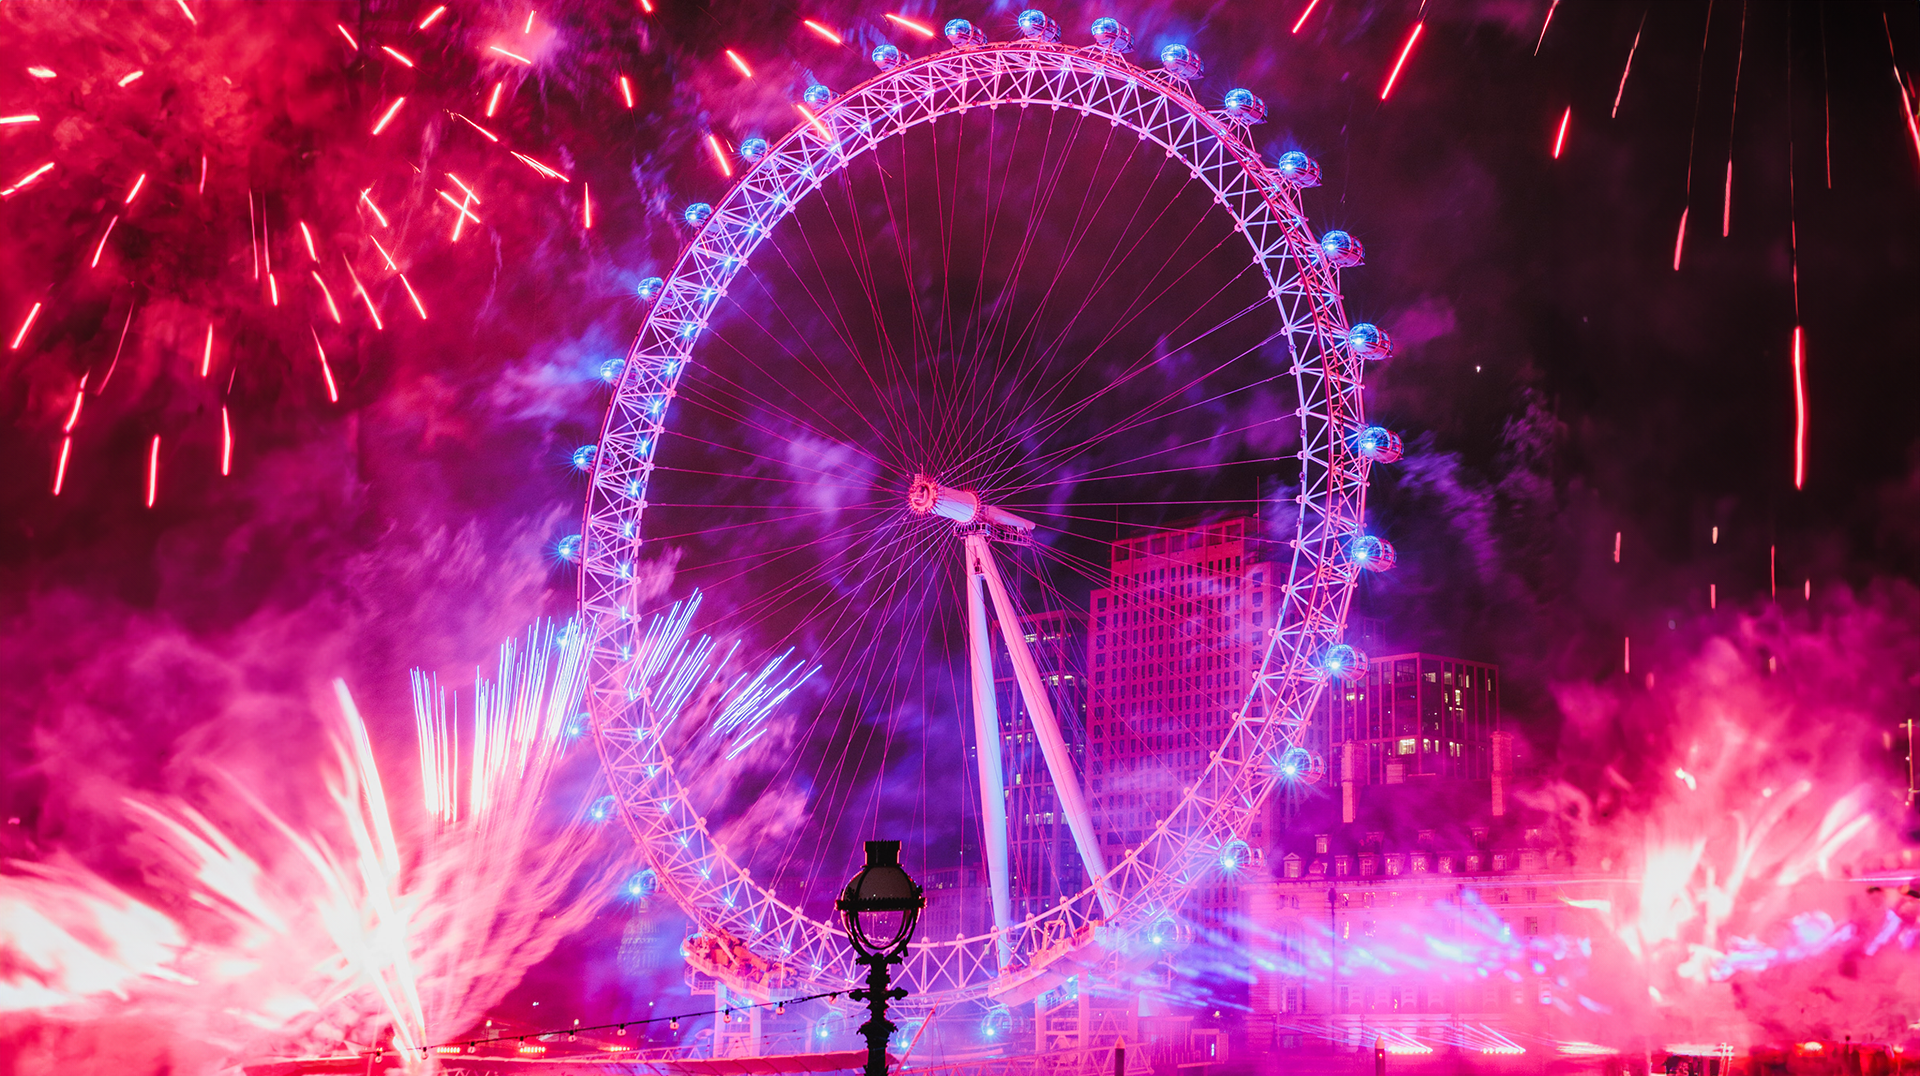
<point x="1302" y="20"/>
<point x="1560" y="139"/>
<point x="1406" y="50"/>
<point x="153" y="470"/>
<point x="1799" y="412"/>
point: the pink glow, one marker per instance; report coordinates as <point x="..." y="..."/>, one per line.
<point x="344" y="32"/>
<point x="735" y="59"/>
<point x="433" y="16"/>
<point x="719" y="155"/>
<point x="135" y="192"/>
<point x="514" y="56"/>
<point x="326" y="371"/>
<point x="1560" y="139"/>
<point x="389" y="50"/>
<point x="493" y="100"/>
<point x="1680" y="241"/>
<point x="226" y="443"/>
<point x="823" y="31"/>
<point x="206" y="356"/>
<point x="626" y="91"/>
<point x="102" y="247"/>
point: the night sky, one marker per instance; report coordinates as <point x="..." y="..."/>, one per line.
<point x="1556" y="379"/>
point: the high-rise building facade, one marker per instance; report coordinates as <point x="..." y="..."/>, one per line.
<point x="1413" y="717"/>
<point x="1175" y="639"/>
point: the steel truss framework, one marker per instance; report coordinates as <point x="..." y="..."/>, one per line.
<point x="1184" y="848"/>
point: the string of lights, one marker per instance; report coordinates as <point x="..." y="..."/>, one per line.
<point x="618" y="1027"/>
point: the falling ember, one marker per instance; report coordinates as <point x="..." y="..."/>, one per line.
<point x="1560" y="139"/>
<point x="470" y="192"/>
<point x="735" y="59"/>
<point x="1773" y="572"/>
<point x="918" y="28"/>
<point x="1551" y="8"/>
<point x="206" y="356"/>
<point x="1406" y="50"/>
<point x="187" y="11"/>
<point x="203" y="174"/>
<point x="719" y="155"/>
<point x="1799" y="413"/>
<point x="60" y="469"/>
<point x="586" y="205"/>
<point x="101" y="249"/>
<point x="21" y="336"/>
<point x="414" y="296"/>
<point x="433" y="16"/>
<point x="510" y="55"/>
<point x="626" y="91"/>
<point x="40" y="72"/>
<point x="823" y="31"/>
<point x="348" y="36"/>
<point x="364" y="297"/>
<point x="388" y="258"/>
<point x="392" y="110"/>
<point x="646" y="6"/>
<point x="1726" y="206"/>
<point x="1806" y="590"/>
<point x="1713" y="595"/>
<point x="308" y="236"/>
<point x="1625" y="71"/>
<point x="389" y="50"/>
<point x="79" y="397"/>
<point x="493" y="101"/>
<point x="153" y="470"/>
<point x="226" y="443"/>
<point x="1906" y="113"/>
<point x="1616" y="547"/>
<point x="1680" y="241"/>
<point x="815" y="121"/>
<point x="490" y="136"/>
<point x="131" y="78"/>
<point x="465" y="213"/>
<point x="540" y="168"/>
<point x="529" y="27"/>
<point x="331" y="308"/>
<point x="24" y="118"/>
<point x="1626" y="654"/>
<point x="333" y="393"/>
<point x="377" y="215"/>
<point x="273" y="288"/>
<point x="135" y="192"/>
<point x="1302" y="20"/>
<point x="26" y="179"/>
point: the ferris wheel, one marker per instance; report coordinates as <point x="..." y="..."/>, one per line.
<point x="852" y="516"/>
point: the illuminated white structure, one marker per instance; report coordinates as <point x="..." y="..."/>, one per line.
<point x="1122" y="907"/>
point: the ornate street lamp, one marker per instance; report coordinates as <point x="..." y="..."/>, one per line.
<point x="881" y="905"/>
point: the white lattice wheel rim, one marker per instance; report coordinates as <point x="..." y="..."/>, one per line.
<point x="691" y="868"/>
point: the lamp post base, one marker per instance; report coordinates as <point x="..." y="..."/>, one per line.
<point x="878" y="1029"/>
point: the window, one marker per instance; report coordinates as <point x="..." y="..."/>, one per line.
<point x="1531" y="926"/>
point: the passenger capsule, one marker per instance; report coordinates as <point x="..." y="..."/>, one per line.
<point x="583" y="457"/>
<point x="1036" y="26"/>
<point x="1182" y="62"/>
<point x="887" y="57"/>
<point x="1110" y="35"/>
<point x="753" y="149"/>
<point x="568" y="548"/>
<point x="1244" y="106"/>
<point x="651" y="287"/>
<point x="817" y="94"/>
<point x="1379" y="444"/>
<point x="1235" y="855"/>
<point x="1344" y="663"/>
<point x="1342" y="251"/>
<point x="610" y="370"/>
<point x="1373" y="554"/>
<point x="1298" y="169"/>
<point x="964" y="34"/>
<point x="698" y="213"/>
<point x="1369" y="343"/>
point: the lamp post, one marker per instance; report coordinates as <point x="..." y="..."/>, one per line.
<point x="881" y="905"/>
